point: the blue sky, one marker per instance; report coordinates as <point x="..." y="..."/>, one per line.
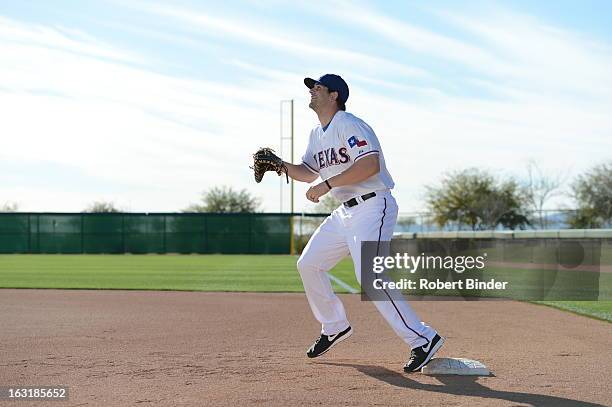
<point x="147" y="104"/>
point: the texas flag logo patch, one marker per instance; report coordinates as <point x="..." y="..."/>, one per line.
<point x="354" y="141"/>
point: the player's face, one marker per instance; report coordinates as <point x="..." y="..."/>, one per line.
<point x="320" y="97"/>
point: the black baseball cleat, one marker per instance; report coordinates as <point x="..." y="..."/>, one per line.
<point x="421" y="356"/>
<point x="326" y="342"/>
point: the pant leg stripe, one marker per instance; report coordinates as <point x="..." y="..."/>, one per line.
<point x="382" y="222"/>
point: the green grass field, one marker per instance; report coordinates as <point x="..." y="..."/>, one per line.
<point x="254" y="273"/>
<point x="594" y="309"/>
<point x="160" y="272"/>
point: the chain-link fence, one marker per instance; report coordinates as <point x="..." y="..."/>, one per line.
<point x="424" y="221"/>
<point x="193" y="232"/>
<point x="144" y="233"/>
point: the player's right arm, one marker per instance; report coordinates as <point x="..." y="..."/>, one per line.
<point x="301" y="172"/>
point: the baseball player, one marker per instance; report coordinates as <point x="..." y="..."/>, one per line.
<point x="346" y="154"/>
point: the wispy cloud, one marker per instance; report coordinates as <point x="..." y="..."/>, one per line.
<point x="543" y="57"/>
<point x="504" y="87"/>
<point x="121" y="123"/>
<point x="517" y="52"/>
<point x="281" y="39"/>
<point x="411" y="37"/>
<point x="60" y="38"/>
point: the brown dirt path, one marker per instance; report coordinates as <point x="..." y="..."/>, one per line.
<point x="126" y="348"/>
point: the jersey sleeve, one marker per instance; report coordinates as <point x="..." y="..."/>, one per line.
<point x="360" y="140"/>
<point x="308" y="159"/>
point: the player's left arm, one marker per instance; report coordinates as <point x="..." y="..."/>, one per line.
<point x="359" y="171"/>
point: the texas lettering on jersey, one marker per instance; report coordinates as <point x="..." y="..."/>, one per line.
<point x="329" y="157"/>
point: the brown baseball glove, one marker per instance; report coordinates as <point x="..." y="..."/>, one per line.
<point x="264" y="160"/>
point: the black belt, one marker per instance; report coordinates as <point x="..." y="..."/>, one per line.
<point x="353" y="201"/>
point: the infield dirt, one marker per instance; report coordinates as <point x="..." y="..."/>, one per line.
<point x="119" y="348"/>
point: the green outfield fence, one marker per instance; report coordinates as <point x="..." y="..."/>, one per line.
<point x="139" y="233"/>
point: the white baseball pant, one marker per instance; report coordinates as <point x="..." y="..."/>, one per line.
<point x="339" y="235"/>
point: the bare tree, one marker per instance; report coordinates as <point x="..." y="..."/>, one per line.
<point x="9" y="207"/>
<point x="326" y="205"/>
<point x="490" y="209"/>
<point x="101" y="207"/>
<point x="405" y="222"/>
<point x="224" y="199"/>
<point x="540" y="187"/>
<point x="308" y="224"/>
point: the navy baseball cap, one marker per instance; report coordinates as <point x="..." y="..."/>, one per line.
<point x="332" y="82"/>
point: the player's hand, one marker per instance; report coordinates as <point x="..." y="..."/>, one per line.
<point x="314" y="193"/>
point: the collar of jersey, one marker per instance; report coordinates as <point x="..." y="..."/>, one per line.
<point x="330" y="122"/>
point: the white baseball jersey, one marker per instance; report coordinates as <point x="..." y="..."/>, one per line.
<point x="346" y="140"/>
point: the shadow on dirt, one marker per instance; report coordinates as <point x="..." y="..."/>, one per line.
<point x="461" y="386"/>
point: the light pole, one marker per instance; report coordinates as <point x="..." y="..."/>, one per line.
<point x="290" y="102"/>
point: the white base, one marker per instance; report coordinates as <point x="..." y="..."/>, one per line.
<point x="455" y="366"/>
